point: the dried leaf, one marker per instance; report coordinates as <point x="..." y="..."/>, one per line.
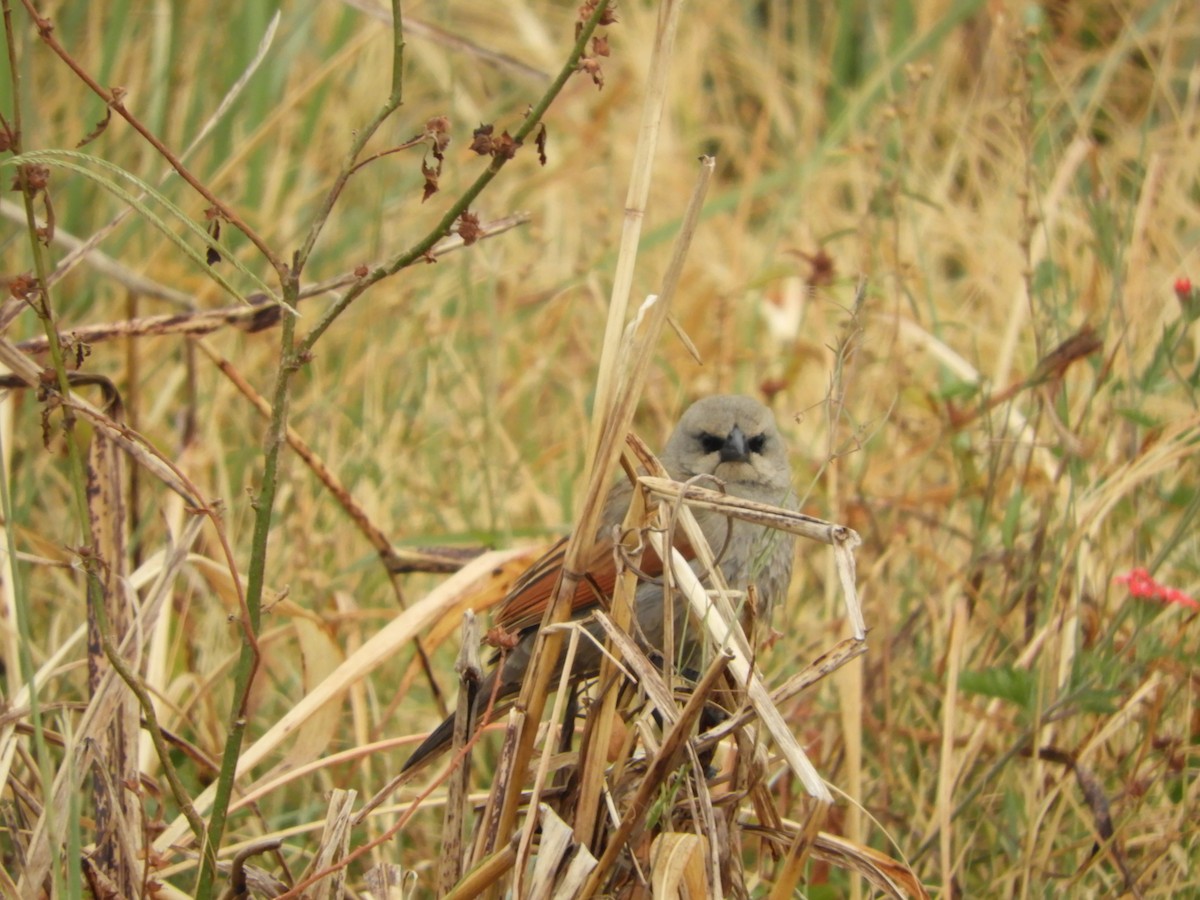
<point x="481" y="140"/>
<point x="608" y="17"/>
<point x="212" y="255"/>
<point x="438" y="130"/>
<point x="505" y="146"/>
<point x="468" y="228"/>
<point x="591" y="65"/>
<point x="431" y="180"/>
<point x="98" y="130"/>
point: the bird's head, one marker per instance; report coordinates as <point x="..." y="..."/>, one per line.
<point x="731" y="437"/>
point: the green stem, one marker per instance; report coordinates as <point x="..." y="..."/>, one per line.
<point x="44" y="309"/>
<point x="394" y="101"/>
<point x="247" y="665"/>
<point x="24" y="634"/>
<point x="291" y="357"/>
<point x="397" y="95"/>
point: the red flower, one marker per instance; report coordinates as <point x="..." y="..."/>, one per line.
<point x="1142" y="584"/>
<point x="1189" y="299"/>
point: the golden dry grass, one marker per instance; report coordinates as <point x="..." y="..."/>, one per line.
<point x="1002" y="178"/>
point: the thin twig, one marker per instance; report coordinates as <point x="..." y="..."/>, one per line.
<point x="364" y="135"/>
<point x="442" y="228"/>
<point x="256" y="317"/>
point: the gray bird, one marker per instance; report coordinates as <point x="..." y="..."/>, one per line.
<point x="731" y="437"/>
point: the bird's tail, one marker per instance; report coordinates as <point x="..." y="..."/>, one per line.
<point x="439" y="739"/>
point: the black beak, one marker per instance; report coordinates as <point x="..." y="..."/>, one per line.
<point x="734" y="448"/>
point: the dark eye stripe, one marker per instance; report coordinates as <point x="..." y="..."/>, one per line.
<point x="757" y="443"/>
<point x="710" y="442"/>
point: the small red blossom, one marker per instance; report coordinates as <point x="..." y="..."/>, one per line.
<point x="1188" y="297"/>
<point x="1142" y="584"/>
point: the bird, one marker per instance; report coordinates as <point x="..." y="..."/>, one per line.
<point x="731" y="437"/>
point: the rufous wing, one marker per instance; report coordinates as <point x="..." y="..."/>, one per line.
<point x="526" y="603"/>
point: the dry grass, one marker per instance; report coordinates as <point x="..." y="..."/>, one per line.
<point x="1020" y="723"/>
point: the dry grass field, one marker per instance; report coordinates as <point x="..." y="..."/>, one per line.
<point x="257" y="432"/>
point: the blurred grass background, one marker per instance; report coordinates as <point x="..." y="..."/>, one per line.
<point x="1002" y="175"/>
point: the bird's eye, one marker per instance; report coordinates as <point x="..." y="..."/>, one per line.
<point x="757" y="443"/>
<point x="710" y="442"/>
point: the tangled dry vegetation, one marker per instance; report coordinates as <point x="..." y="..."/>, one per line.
<point x="316" y="336"/>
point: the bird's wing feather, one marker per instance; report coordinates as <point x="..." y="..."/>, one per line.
<point x="526" y="603"/>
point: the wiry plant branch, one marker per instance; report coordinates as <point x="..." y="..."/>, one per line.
<point x="37" y="294"/>
<point x="258" y="316"/>
<point x="442" y="228"/>
<point x="350" y="163"/>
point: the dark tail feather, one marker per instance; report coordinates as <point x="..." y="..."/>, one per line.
<point x="434" y="745"/>
<point x="440" y="738"/>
